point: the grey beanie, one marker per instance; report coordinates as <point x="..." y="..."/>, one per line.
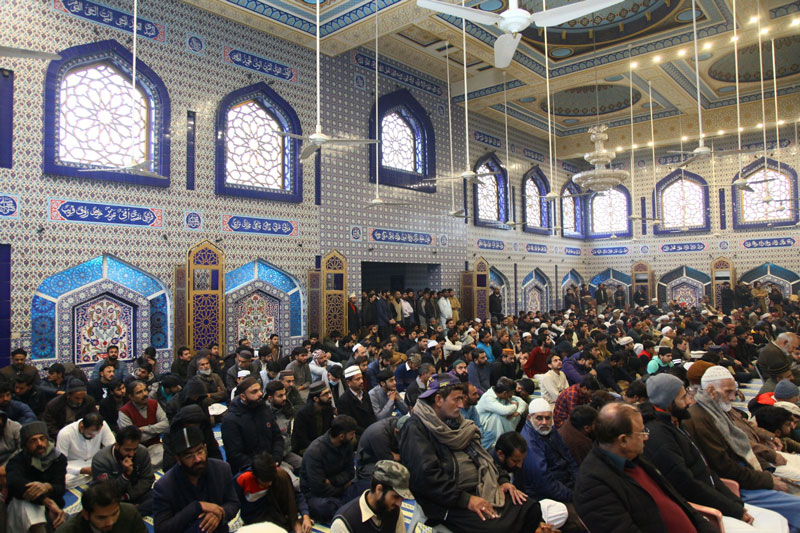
<point x="785" y="390"/>
<point x="37" y="427"/>
<point x="662" y="389"/>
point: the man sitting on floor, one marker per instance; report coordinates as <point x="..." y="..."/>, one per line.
<point x="266" y="494"/>
<point x="197" y="494"/>
<point x="327" y="470"/>
<point x="35" y="482"/>
<point x="470" y="497"/>
<point x="79" y="442"/>
<point x="127" y="465"/>
<point x="378" y="509"/>
<point x="147" y="415"/>
<point x="102" y="511"/>
<point x="618" y="491"/>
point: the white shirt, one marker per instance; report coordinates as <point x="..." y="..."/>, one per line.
<point x="79" y="450"/>
<point x="408" y="310"/>
<point x="445" y="310"/>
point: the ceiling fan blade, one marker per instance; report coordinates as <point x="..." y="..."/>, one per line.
<point x="679" y="152"/>
<point x="742" y="151"/>
<point x="308" y="151"/>
<point x="565" y="13"/>
<point x="291" y="135"/>
<point x="346" y="142"/>
<point x="691" y="160"/>
<point x="504" y="48"/>
<point x="472" y="15"/>
<point x="10" y="51"/>
<point x="759" y="181"/>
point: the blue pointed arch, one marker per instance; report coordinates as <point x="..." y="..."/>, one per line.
<point x="491" y="160"/>
<point x="542" y="184"/>
<point x="288" y="287"/>
<point x="403" y="103"/>
<point x="113" y="53"/>
<point x="286" y="116"/>
<point x="658" y="206"/>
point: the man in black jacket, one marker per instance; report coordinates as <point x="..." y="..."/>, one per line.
<point x="611" y="371"/>
<point x="313" y="419"/>
<point x="673" y="452"/>
<point x="327" y="470"/>
<point x="618" y="491"/>
<point x="249" y="427"/>
<point x="452" y="476"/>
<point x="355" y="401"/>
<point x="35" y="481"/>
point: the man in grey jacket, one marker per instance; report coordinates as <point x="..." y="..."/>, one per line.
<point x="127" y="464"/>
<point x="384" y="396"/>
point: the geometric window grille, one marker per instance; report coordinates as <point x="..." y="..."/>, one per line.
<point x="254" y="150"/>
<point x="568" y="212"/>
<point x="251" y="159"/>
<point x="95" y="123"/>
<point x="398" y="143"/>
<point x="610" y="213"/>
<point x="490" y="194"/>
<point x="407" y="149"/>
<point x="102" y="122"/>
<point x="537" y="213"/>
<point x="770" y="200"/>
<point x="682" y="199"/>
<point x="533" y="204"/>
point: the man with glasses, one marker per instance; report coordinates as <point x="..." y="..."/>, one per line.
<point x="617" y="486"/>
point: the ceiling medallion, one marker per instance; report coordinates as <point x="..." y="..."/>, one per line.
<point x="601" y="177"/>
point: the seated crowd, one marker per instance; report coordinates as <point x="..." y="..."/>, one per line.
<point x="598" y="417"/>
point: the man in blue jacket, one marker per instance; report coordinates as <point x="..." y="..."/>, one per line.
<point x="249" y="427"/>
<point x="578" y="365"/>
<point x="549" y="470"/>
<point x="197" y="494"/>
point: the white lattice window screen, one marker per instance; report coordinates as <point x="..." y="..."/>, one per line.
<point x="568" y="211"/>
<point x="488" y="195"/>
<point x="683" y="204"/>
<point x="397" y="143"/>
<point x="770" y="200"/>
<point x="610" y="212"/>
<point x="533" y="205"/>
<point x="254" y="151"/>
<point x="101" y="121"/>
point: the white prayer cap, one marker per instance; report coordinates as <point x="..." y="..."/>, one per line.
<point x="526" y="334"/>
<point x="666" y="329"/>
<point x="663" y="318"/>
<point x="654" y="300"/>
<point x="357" y="346"/>
<point x="789" y="406"/>
<point x="553" y="513"/>
<point x="432" y="343"/>
<point x="601" y="317"/>
<point x="715" y="373"/>
<point x="765" y="316"/>
<point x="478" y="320"/>
<point x="243" y="373"/>
<point x="624" y="341"/>
<point x="638" y="348"/>
<point x="351" y="371"/>
<point x="539" y="405"/>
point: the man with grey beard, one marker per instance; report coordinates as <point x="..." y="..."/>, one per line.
<point x="727" y="448"/>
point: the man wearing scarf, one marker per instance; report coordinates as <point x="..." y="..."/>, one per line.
<point x="728" y="451"/>
<point x="453" y="478"/>
<point x="36" y="482"/>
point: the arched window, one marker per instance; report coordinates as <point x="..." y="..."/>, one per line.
<point x="571" y="211"/>
<point x="608" y="214"/>
<point x="407" y="150"/>
<point x="490" y="194"/>
<point x="770" y="198"/>
<point x="97" y="125"/>
<point x="682" y="203"/>
<point x="252" y="160"/>
<point x="536" y="208"/>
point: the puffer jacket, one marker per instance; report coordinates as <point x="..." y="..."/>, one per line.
<point x="247" y="432"/>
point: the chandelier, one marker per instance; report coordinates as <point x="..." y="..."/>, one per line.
<point x="601" y="177"/>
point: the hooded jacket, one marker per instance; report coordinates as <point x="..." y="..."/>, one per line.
<point x="247" y="431"/>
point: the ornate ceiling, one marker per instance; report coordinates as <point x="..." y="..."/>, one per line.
<point x="646" y="43"/>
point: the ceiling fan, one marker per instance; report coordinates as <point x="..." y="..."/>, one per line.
<point x="703" y="151"/>
<point x="317" y="140"/>
<point x="513" y="20"/>
<point x="377" y="201"/>
<point x="24" y="53"/>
